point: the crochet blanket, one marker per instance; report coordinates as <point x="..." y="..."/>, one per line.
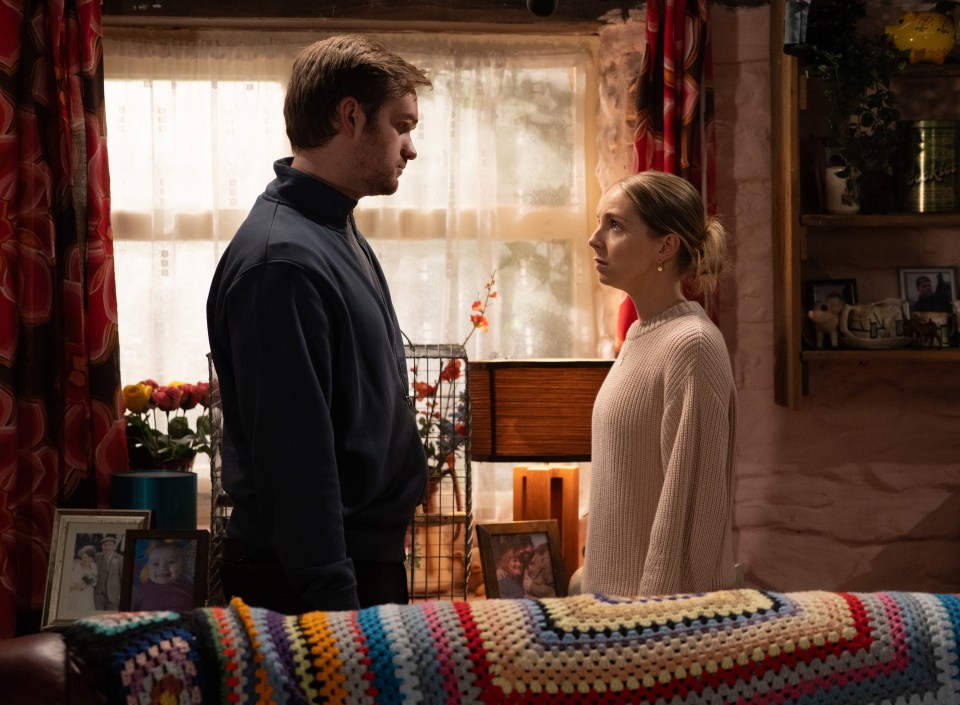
<point x="737" y="646"/>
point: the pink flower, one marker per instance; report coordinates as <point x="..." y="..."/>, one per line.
<point x="189" y="398"/>
<point x="168" y="398"/>
<point x="202" y="392"/>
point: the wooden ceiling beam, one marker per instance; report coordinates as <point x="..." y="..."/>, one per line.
<point x="358" y="13"/>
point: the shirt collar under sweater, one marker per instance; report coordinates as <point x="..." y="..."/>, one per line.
<point x="315" y="199"/>
<point x="671" y="314"/>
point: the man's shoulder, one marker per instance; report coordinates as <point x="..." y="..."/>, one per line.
<point x="281" y="235"/>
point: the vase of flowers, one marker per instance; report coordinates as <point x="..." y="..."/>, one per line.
<point x="159" y="435"/>
<point x="436" y="547"/>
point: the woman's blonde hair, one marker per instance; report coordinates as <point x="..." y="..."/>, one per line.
<point x="669" y="204"/>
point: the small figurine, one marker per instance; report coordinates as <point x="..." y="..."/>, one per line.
<point x="826" y="322"/>
<point x="826" y="318"/>
<point x="923" y="331"/>
<point x="928" y="36"/>
<point x="795" y="25"/>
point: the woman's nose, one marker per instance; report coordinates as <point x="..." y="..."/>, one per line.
<point x="594" y="240"/>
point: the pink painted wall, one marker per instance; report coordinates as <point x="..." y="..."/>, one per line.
<point x="860" y="488"/>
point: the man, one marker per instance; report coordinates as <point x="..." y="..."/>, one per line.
<point x="106" y="593"/>
<point x="930" y="299"/>
<point x="322" y="458"/>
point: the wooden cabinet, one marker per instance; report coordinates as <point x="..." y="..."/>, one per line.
<point x="808" y="244"/>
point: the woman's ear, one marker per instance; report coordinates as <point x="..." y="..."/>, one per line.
<point x="669" y="246"/>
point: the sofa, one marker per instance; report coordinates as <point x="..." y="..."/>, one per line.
<point x="736" y="646"/>
<point x="38" y="670"/>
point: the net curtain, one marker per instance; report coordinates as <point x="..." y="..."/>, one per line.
<point x="675" y="131"/>
<point x="61" y="421"/>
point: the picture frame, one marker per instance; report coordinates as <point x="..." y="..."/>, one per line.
<point x="165" y="569"/>
<point x="928" y="289"/>
<point x="820" y="291"/>
<point x="74" y="589"/>
<point x="522" y="559"/>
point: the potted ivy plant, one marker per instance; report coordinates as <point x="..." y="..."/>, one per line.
<point x="861" y="109"/>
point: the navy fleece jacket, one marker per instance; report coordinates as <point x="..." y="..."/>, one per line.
<point x="322" y="457"/>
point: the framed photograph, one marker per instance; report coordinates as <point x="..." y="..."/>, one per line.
<point x="830" y="294"/>
<point x="522" y="559"/>
<point x="165" y="570"/>
<point x="928" y="289"/>
<point x="84" y="576"/>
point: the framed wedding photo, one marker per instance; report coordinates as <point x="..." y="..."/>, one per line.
<point x="522" y="559"/>
<point x="84" y="574"/>
<point x="165" y="570"/>
<point x="928" y="289"/>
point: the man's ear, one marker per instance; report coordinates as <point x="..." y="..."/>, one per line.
<point x="350" y="117"/>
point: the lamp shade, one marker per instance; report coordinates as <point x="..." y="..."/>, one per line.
<point x="535" y="410"/>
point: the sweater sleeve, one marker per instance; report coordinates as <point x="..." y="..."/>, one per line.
<point x="283" y="347"/>
<point x="687" y="551"/>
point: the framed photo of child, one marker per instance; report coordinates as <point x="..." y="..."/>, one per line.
<point x="165" y="570"/>
<point x="86" y="563"/>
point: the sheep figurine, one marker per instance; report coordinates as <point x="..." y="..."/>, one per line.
<point x="825" y="323"/>
<point x="826" y="320"/>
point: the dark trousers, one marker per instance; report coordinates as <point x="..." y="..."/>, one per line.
<point x="256" y="577"/>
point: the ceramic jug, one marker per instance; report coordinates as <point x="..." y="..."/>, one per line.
<point x="878" y="324"/>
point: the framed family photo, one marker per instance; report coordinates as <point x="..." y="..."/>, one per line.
<point x="165" y="570"/>
<point x="84" y="574"/>
<point x="928" y="289"/>
<point x="522" y="559"/>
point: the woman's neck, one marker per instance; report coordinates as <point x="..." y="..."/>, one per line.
<point x="652" y="303"/>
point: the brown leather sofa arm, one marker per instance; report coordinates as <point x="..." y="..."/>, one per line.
<point x="35" y="670"/>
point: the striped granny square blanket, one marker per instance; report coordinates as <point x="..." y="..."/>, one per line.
<point x="746" y="647"/>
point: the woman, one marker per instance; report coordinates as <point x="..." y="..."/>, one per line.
<point x="83" y="580"/>
<point x="664" y="421"/>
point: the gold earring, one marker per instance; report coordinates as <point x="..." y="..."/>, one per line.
<point x="659" y="266"/>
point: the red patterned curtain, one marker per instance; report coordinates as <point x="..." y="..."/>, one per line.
<point x="675" y="105"/>
<point x="61" y="414"/>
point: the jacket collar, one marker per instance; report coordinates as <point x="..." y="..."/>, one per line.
<point x="314" y="198"/>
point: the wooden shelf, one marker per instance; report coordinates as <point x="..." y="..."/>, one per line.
<point x="930" y="71"/>
<point x="799" y="235"/>
<point x="882" y="220"/>
<point x="906" y="354"/>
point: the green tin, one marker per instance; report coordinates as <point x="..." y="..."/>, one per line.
<point x="927" y="179"/>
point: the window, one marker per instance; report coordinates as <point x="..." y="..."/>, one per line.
<point x="505" y="149"/>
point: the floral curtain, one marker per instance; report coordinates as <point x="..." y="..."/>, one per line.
<point x="61" y="423"/>
<point x="675" y="131"/>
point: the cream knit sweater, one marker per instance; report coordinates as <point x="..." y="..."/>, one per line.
<point x="663" y="461"/>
